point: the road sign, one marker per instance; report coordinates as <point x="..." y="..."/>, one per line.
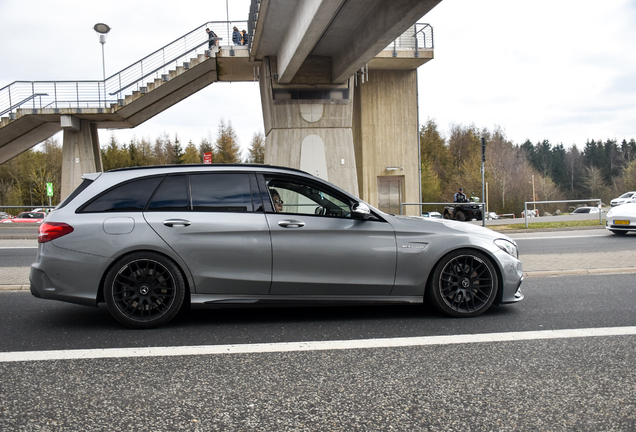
<point x="49" y="189"/>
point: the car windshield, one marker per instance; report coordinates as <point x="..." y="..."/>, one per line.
<point x="581" y="210"/>
<point x="627" y="195"/>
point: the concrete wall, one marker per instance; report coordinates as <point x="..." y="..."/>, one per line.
<point x="385" y="133"/>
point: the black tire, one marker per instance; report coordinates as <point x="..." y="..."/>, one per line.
<point x="144" y="290"/>
<point x="460" y="216"/>
<point x="447" y="214"/>
<point x="464" y="284"/>
<point x="618" y="232"/>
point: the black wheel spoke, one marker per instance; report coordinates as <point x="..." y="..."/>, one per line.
<point x="466" y="284"/>
<point x="143" y="290"/>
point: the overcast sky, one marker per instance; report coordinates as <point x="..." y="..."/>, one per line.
<point x="558" y="70"/>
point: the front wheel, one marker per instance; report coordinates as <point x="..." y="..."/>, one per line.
<point x="464" y="284"/>
<point x="144" y="290"/>
<point x="460" y="216"/>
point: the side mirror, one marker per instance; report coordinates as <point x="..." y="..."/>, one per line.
<point x="360" y="211"/>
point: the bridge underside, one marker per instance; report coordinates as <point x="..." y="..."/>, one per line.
<point x="336" y="102"/>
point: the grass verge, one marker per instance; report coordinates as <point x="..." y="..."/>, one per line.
<point x="546" y="225"/>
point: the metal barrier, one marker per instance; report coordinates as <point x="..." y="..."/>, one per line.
<point x="600" y="213"/>
<point x="480" y="204"/>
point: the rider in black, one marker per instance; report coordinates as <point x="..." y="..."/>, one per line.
<point x="460" y="197"/>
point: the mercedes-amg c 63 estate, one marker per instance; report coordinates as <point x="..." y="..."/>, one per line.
<point x="148" y="240"/>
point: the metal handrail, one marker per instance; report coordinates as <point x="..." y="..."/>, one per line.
<point x="417" y="38"/>
<point x="93" y="94"/>
<point x="90" y="94"/>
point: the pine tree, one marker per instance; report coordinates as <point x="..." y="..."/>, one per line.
<point x="256" y="152"/>
<point x="227" y="146"/>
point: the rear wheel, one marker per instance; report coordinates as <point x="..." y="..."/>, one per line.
<point x="460" y="216"/>
<point x="464" y="284"/>
<point x="144" y="290"/>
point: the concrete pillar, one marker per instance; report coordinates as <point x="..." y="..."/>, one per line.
<point x="80" y="155"/>
<point x="308" y="126"/>
<point x="386" y="137"/>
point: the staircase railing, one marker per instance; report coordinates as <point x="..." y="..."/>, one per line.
<point x="103" y="93"/>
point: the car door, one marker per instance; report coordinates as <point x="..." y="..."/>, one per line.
<point x="318" y="249"/>
<point x="221" y="233"/>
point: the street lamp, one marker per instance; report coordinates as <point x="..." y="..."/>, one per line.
<point x="102" y="30"/>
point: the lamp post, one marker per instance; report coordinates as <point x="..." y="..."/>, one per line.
<point x="102" y="31"/>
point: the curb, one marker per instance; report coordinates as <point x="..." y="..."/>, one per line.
<point x="620" y="270"/>
<point x="14" y="287"/>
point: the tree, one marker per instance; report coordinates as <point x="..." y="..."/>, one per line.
<point x="191" y="155"/>
<point x="434" y="151"/>
<point x="227" y="146"/>
<point x="256" y="152"/>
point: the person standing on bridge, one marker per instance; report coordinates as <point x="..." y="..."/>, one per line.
<point x="246" y="38"/>
<point x="212" y="38"/>
<point x="236" y="36"/>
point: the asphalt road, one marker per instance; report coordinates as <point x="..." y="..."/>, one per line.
<point x="583" y="384"/>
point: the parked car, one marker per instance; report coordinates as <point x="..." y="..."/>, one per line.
<point x="4" y="216"/>
<point x="148" y="240"/>
<point x="621" y="219"/>
<point x="492" y="216"/>
<point x="586" y="210"/>
<point x="26" y="217"/>
<point x="432" y="214"/>
<point x="627" y="197"/>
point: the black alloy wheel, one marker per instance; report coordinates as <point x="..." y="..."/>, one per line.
<point x="144" y="290"/>
<point x="464" y="284"/>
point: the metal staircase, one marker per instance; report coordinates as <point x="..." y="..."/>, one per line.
<point x="31" y="111"/>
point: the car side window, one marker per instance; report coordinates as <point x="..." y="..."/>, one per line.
<point x="221" y="192"/>
<point x="126" y="197"/>
<point x="172" y="195"/>
<point x="306" y="198"/>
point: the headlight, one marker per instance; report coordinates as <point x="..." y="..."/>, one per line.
<point x="507" y="246"/>
<point x="609" y="213"/>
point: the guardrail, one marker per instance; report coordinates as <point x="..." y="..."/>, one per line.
<point x="600" y="204"/>
<point x="480" y="204"/>
<point x="417" y="38"/>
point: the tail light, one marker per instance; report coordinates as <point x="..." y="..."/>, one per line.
<point x="51" y="230"/>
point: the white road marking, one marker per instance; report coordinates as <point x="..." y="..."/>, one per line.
<point x="22" y="356"/>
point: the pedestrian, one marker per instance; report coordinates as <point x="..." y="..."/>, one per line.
<point x="246" y="38"/>
<point x="212" y="38"/>
<point x="236" y="36"/>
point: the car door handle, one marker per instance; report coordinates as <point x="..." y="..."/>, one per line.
<point x="172" y="222"/>
<point x="291" y="223"/>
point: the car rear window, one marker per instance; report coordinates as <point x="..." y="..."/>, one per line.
<point x="126" y="197"/>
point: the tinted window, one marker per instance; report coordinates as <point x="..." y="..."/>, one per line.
<point x="130" y="196"/>
<point x="221" y="192"/>
<point x="172" y="195"/>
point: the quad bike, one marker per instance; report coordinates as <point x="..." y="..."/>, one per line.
<point x="464" y="211"/>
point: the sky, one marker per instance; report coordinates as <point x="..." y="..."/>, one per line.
<point x="562" y="70"/>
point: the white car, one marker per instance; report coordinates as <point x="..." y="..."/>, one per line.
<point x="627" y="197"/>
<point x="585" y="210"/>
<point x="621" y="219"/>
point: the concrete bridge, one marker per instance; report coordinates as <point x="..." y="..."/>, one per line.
<point x="338" y="90"/>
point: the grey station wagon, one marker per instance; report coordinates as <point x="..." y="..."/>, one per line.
<point x="149" y="240"/>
